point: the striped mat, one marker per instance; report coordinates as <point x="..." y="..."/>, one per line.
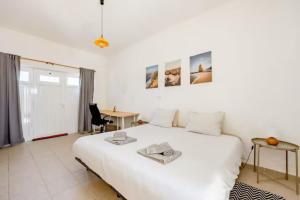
<point x="242" y="191"/>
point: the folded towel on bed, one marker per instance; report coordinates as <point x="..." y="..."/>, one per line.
<point x="163" y="148"/>
<point x="168" y="152"/>
<point x="120" y="136"/>
<point x="159" y="157"/>
<point x="121" y="142"/>
<point x="164" y="155"/>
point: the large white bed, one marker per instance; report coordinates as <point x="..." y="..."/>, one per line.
<point x="206" y="170"/>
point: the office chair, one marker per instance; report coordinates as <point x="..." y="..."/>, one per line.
<point x="97" y="120"/>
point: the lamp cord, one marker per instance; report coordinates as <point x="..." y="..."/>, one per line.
<point x="244" y="165"/>
<point x="101" y="20"/>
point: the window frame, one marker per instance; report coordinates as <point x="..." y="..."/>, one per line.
<point x="72" y="76"/>
<point x="30" y="73"/>
<point x="49" y="73"/>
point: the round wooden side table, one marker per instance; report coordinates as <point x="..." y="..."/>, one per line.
<point x="284" y="146"/>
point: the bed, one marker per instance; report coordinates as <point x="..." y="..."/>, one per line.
<point x="206" y="170"/>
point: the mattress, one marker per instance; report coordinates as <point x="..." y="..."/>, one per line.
<point x="206" y="170"/>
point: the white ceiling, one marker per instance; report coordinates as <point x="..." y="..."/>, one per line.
<point x="76" y="23"/>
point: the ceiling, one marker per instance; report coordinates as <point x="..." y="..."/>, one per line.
<point x="76" y="23"/>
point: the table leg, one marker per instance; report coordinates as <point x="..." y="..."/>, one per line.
<point x="117" y="123"/>
<point x="134" y="118"/>
<point x="286" y="165"/>
<point x="123" y="123"/>
<point x="257" y="169"/>
<point x="254" y="159"/>
<point x="297" y="184"/>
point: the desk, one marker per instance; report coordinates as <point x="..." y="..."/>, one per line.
<point x="119" y="114"/>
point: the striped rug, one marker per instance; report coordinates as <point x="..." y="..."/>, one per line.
<point x="242" y="191"/>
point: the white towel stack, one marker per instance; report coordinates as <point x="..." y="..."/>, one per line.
<point x="163" y="148"/>
<point x="162" y="153"/>
<point x="120" y="136"/>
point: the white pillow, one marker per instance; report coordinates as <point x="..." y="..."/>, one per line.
<point x="175" y="120"/>
<point x="206" y="123"/>
<point x="163" y="117"/>
<point x="183" y="118"/>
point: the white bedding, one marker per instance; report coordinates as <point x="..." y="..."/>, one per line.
<point x="206" y="170"/>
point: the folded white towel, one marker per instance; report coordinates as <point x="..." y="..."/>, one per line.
<point x="163" y="148"/>
<point x="120" y="142"/>
<point x="168" y="152"/>
<point x="159" y="157"/>
<point x="119" y="136"/>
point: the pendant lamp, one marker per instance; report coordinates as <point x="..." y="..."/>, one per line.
<point x="101" y="42"/>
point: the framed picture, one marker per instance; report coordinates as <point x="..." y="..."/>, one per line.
<point x="173" y="73"/>
<point x="201" y="68"/>
<point x="152" y="77"/>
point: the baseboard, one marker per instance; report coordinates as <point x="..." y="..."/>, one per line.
<point x="49" y="137"/>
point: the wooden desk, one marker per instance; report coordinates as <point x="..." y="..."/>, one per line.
<point x="119" y="114"/>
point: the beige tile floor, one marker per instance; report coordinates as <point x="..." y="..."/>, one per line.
<point x="46" y="170"/>
<point x="271" y="182"/>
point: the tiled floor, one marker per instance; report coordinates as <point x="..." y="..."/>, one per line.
<point x="271" y="182"/>
<point x="46" y="170"/>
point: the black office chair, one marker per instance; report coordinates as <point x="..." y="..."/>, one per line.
<point x="97" y="119"/>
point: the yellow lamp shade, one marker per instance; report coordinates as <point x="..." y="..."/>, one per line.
<point x="101" y="42"/>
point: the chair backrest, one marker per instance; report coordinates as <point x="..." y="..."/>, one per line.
<point x="96" y="116"/>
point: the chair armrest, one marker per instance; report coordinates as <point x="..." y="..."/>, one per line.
<point x="106" y="121"/>
<point x="105" y="117"/>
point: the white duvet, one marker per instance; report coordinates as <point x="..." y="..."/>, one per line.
<point x="206" y="170"/>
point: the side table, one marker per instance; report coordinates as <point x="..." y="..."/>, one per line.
<point x="284" y="146"/>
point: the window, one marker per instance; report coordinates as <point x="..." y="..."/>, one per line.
<point x="24" y="76"/>
<point x="49" y="79"/>
<point x="73" y="81"/>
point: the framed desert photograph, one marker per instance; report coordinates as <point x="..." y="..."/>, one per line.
<point x="173" y="73"/>
<point x="152" y="77"/>
<point x="201" y="68"/>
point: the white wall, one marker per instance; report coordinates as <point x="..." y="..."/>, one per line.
<point x="37" y="48"/>
<point x="256" y="68"/>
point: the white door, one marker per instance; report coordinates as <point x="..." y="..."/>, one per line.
<point x="49" y="102"/>
<point x="71" y="99"/>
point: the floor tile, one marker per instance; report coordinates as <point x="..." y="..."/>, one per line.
<point x="71" y="164"/>
<point x="23" y="185"/>
<point x="102" y="191"/>
<point x="25" y="176"/>
<point x="275" y="184"/>
<point x="4" y="192"/>
<point x="22" y="165"/>
<point x="38" y="151"/>
<point x="84" y="176"/>
<point x="47" y="170"/>
<point x="4" y="174"/>
<point x="19" y="151"/>
<point x="79" y="192"/>
<point x="61" y="184"/>
<point x="51" y="168"/>
<point x="31" y="196"/>
<point x="3" y="155"/>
